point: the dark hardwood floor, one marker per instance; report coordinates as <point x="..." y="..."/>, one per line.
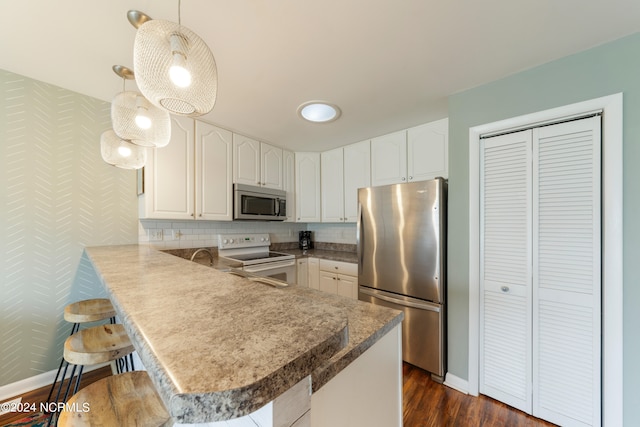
<point x="426" y="404"/>
<point x="39" y="395"/>
<point x="429" y="404"/>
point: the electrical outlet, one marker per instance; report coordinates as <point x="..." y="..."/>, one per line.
<point x="155" y="234"/>
<point x="175" y="234"/>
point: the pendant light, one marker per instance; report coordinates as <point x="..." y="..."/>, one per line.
<point x="121" y="153"/>
<point x="174" y="67"/>
<point x="135" y="119"/>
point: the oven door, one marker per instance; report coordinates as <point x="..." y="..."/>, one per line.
<point x="280" y="270"/>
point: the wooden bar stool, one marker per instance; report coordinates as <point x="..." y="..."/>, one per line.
<point x="92" y="346"/>
<point x="128" y="399"/>
<point x="85" y="311"/>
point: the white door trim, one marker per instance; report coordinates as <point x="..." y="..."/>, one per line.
<point x="612" y="292"/>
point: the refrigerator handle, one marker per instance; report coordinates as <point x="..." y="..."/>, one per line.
<point x="421" y="306"/>
<point x="359" y="238"/>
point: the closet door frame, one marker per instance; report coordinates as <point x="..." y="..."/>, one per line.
<point x="612" y="280"/>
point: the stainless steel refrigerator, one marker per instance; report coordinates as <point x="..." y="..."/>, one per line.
<point x="401" y="240"/>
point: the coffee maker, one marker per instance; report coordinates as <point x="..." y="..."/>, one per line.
<point x="304" y="240"/>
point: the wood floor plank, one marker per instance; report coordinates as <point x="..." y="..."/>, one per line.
<point x="429" y="404"/>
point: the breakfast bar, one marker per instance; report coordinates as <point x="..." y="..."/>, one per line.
<point x="218" y="346"/>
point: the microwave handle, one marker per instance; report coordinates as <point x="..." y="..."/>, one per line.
<point x="277" y="207"/>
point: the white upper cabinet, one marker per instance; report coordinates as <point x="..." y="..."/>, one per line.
<point x="289" y="183"/>
<point x="246" y="160"/>
<point x="389" y="159"/>
<point x="271" y="166"/>
<point x="357" y="174"/>
<point x="427" y="151"/>
<point x="214" y="148"/>
<point x="256" y="163"/>
<point x="332" y="183"/>
<point x="191" y="177"/>
<point x="307" y="187"/>
<point x="168" y="175"/>
<point x="417" y="154"/>
<point x="344" y="170"/>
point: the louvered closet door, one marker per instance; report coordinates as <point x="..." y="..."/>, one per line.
<point x="567" y="280"/>
<point x="505" y="269"/>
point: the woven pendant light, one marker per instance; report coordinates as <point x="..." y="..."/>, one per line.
<point x="121" y="153"/>
<point x="175" y="69"/>
<point x="135" y="119"/>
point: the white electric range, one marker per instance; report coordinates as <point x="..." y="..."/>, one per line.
<point x="251" y="250"/>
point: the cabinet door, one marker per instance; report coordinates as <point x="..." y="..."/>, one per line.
<point x="347" y="286"/>
<point x="314" y="273"/>
<point x="427" y="151"/>
<point x="308" y="187"/>
<point x="213" y="185"/>
<point x="246" y="160"/>
<point x="389" y="159"/>
<point x="169" y="175"/>
<point x="302" y="272"/>
<point x="289" y="183"/>
<point x="357" y="174"/>
<point x="329" y="282"/>
<point x="271" y="166"/>
<point x="332" y="187"/>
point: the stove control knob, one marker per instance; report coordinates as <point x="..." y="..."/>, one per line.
<point x="225" y="241"/>
<point x="230" y="240"/>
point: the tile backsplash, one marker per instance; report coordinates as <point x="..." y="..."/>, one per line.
<point x="168" y="234"/>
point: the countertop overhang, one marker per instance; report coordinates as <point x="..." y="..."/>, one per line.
<point x="216" y="346"/>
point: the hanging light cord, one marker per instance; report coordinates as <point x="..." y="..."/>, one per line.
<point x="179" y="16"/>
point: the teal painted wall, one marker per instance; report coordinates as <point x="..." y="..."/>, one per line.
<point x="601" y="71"/>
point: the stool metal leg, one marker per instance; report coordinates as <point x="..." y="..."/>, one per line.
<point x="74" y="329"/>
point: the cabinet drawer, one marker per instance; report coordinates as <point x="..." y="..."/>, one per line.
<point x="339" y="267"/>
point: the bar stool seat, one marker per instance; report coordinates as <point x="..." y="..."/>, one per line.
<point x="91" y="310"/>
<point x="128" y="399"/>
<point x="98" y="344"/>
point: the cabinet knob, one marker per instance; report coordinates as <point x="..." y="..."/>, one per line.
<point x="504" y="289"/>
<point x="410" y="178"/>
<point x="404" y="179"/>
<point x="193" y="215"/>
<point x="200" y="215"/>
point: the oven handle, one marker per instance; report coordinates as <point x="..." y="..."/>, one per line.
<point x="269" y="266"/>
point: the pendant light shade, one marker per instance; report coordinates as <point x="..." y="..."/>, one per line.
<point x="175" y="69"/>
<point x="121" y="153"/>
<point x="135" y="119"/>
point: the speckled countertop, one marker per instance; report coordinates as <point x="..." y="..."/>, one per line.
<point x="217" y="346"/>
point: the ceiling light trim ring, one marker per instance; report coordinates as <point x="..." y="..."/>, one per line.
<point x="319" y="116"/>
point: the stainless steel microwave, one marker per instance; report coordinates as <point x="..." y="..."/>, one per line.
<point x="258" y="203"/>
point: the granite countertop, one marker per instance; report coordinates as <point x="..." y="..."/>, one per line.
<point x="217" y="346"/>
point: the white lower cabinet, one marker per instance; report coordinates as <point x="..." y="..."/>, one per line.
<point x="339" y="278"/>
<point x="314" y="273"/>
<point x="302" y="272"/>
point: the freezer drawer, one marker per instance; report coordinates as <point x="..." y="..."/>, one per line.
<point x="423" y="339"/>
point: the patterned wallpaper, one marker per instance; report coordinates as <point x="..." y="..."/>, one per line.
<point x="57" y="197"/>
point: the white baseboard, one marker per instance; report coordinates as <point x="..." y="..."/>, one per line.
<point x="456" y="383"/>
<point x="32" y="383"/>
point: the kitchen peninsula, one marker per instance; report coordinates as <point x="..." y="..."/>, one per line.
<point x="218" y="346"/>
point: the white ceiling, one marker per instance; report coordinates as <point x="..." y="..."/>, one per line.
<point x="389" y="64"/>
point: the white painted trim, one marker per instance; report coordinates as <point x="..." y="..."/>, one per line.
<point x="612" y="280"/>
<point x="456" y="383"/>
<point x="37" y="381"/>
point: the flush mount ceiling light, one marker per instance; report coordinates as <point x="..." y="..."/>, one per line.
<point x="135" y="119"/>
<point x="121" y="153"/>
<point x="319" y="111"/>
<point x="174" y="67"/>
